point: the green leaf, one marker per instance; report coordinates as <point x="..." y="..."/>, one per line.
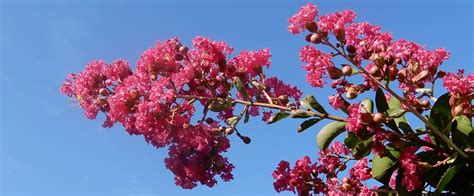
<point x="447" y="177"/>
<point x="241" y="87"/>
<point x="219" y="105"/>
<point x="368" y="104"/>
<point x="246" y="116"/>
<point x="328" y="133"/>
<point x="300" y="114"/>
<point x="440" y="114"/>
<point x="464" y="125"/>
<point x="307" y="124"/>
<point x="232" y="120"/>
<point x="382" y="107"/>
<point x="361" y="147"/>
<point x="395" y="112"/>
<point x="277" y="116"/>
<point x="401" y="122"/>
<point x="311" y="102"/>
<point x="383" y="167"/>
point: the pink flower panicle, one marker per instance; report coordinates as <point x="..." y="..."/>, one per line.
<point x="146" y="101"/>
<point x="305" y="15"/>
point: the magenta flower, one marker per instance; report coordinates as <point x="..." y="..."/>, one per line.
<point x="305" y="15"/>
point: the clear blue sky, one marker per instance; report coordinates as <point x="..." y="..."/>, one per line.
<point x="48" y="147"/>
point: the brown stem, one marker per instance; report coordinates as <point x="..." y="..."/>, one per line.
<point x="267" y="105"/>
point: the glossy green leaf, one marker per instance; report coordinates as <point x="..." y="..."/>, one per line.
<point x="219" y="106"/>
<point x="464" y="125"/>
<point x="401" y="122"/>
<point x="300" y="114"/>
<point x="277" y="116"/>
<point x="232" y="120"/>
<point x="368" y="105"/>
<point x="329" y="132"/>
<point x="383" y="167"/>
<point x="311" y="102"/>
<point x="382" y="107"/>
<point x="447" y="177"/>
<point x="307" y="124"/>
<point x="241" y="87"/>
<point x="440" y="114"/>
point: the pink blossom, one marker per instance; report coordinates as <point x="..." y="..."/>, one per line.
<point x="251" y="62"/>
<point x="336" y="21"/>
<point x="360" y="170"/>
<point x="459" y="85"/>
<point x="305" y="15"/>
<point x="411" y="173"/>
<point x="318" y="62"/>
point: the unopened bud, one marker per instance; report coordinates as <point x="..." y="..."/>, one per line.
<point x="341" y="35"/>
<point x="315" y="38"/>
<point x="103" y="92"/>
<point x="229" y="131"/>
<point x="457" y="110"/>
<point x="308" y="37"/>
<point x="209" y="120"/>
<point x="183" y="49"/>
<point x="346" y="187"/>
<point x="345" y="180"/>
<point x="425" y="103"/>
<point x="134" y="94"/>
<point x="351" y="93"/>
<point x="375" y="71"/>
<point x="347" y="70"/>
<point x="246" y="140"/>
<point x="379" y="118"/>
<point x="441" y="74"/>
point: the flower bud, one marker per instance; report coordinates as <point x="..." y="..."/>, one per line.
<point x="183" y="49"/>
<point x="343" y="167"/>
<point x="312" y="27"/>
<point x="102" y="102"/>
<point x="345" y="180"/>
<point x="347" y="70"/>
<point x="246" y="140"/>
<point x="425" y="103"/>
<point x="351" y="49"/>
<point x="308" y="37"/>
<point x="346" y="187"/>
<point x="315" y="38"/>
<point x="457" y="110"/>
<point x="103" y="91"/>
<point x="379" y="118"/>
<point x="334" y="73"/>
<point x="209" y="120"/>
<point x="229" y="131"/>
<point x="351" y="93"/>
<point x="440" y="74"/>
<point x="375" y="71"/>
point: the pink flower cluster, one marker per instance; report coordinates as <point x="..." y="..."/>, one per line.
<point x="461" y="89"/>
<point x="304" y="178"/>
<point x="150" y="102"/>
<point x="300" y="20"/>
<point x="411" y="172"/>
<point x="407" y="62"/>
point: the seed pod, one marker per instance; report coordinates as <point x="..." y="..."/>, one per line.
<point x="229" y="131"/>
<point x="351" y="93"/>
<point x="375" y="71"/>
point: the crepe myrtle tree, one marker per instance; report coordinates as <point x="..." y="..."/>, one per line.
<point x="160" y="98"/>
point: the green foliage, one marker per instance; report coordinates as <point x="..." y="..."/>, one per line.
<point x="329" y="132"/>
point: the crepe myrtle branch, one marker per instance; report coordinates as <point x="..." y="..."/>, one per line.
<point x="266" y="105"/>
<point x="430" y="126"/>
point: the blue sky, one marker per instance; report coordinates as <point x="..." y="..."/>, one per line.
<point x="48" y="147"/>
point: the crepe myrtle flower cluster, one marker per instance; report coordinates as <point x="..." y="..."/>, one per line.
<point x="158" y="100"/>
<point x="192" y="99"/>
<point x="306" y="178"/>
